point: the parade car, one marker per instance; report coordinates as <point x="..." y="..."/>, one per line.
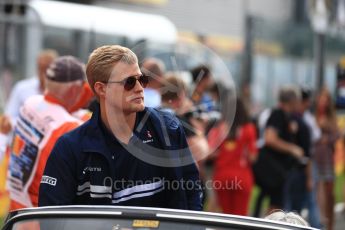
<point x="127" y="218"/>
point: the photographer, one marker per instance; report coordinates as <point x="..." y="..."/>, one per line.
<point x="174" y="99"/>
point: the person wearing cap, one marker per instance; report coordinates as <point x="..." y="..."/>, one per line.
<point x="42" y="119"/>
<point x="126" y="154"/>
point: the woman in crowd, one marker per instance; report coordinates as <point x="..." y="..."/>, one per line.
<point x="233" y="179"/>
<point x="324" y="151"/>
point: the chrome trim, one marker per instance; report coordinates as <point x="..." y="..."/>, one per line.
<point x="49" y="212"/>
<point x="223" y="221"/>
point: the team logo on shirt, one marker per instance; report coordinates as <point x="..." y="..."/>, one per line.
<point x="149" y="137"/>
<point x="92" y="169"/>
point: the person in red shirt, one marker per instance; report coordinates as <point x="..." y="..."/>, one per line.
<point x="233" y="180"/>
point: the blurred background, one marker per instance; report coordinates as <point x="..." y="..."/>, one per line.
<point x="263" y="43"/>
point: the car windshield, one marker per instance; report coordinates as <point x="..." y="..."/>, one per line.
<point x="107" y="224"/>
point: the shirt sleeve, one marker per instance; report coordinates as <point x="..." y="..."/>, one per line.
<point x="59" y="184"/>
<point x="276" y="120"/>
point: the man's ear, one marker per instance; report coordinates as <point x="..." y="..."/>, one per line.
<point x="100" y="89"/>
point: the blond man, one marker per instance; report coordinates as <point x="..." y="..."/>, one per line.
<point x="126" y="154"/>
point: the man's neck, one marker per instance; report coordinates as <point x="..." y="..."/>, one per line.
<point x="120" y="124"/>
<point x="55" y="100"/>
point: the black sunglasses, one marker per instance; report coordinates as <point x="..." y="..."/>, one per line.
<point x="129" y="82"/>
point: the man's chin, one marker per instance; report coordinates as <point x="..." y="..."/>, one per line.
<point x="141" y="109"/>
<point x="138" y="108"/>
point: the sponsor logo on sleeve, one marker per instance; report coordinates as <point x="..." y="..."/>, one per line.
<point x="48" y="180"/>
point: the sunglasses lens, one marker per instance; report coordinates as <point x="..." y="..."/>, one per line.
<point x="130" y="83"/>
<point x="144" y="80"/>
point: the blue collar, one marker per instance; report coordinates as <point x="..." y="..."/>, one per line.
<point x="94" y="137"/>
<point x="95" y="133"/>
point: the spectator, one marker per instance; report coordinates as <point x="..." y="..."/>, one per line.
<point x="43" y="119"/>
<point x="224" y="100"/>
<point x="97" y="164"/>
<point x="300" y="174"/>
<point x="324" y="152"/>
<point x="28" y="87"/>
<point x="279" y="152"/>
<point x="174" y="97"/>
<point x="155" y="69"/>
<point x="202" y="80"/>
<point x="20" y="92"/>
<point x="233" y="164"/>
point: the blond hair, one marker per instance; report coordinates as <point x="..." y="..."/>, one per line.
<point x="102" y="60"/>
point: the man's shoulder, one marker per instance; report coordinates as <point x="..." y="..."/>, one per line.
<point x="277" y="119"/>
<point x="79" y="132"/>
<point x="278" y="115"/>
<point x="276" y="111"/>
<point x="34" y="99"/>
<point x="75" y="137"/>
<point x="161" y="115"/>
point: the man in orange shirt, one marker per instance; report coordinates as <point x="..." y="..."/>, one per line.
<point x="42" y="120"/>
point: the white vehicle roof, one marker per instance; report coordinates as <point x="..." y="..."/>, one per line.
<point x="105" y="20"/>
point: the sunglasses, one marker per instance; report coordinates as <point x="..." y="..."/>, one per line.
<point x="129" y="82"/>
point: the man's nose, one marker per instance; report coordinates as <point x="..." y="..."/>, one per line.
<point x="138" y="86"/>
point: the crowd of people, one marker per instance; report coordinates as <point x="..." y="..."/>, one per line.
<point x="293" y="139"/>
<point x="74" y="132"/>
